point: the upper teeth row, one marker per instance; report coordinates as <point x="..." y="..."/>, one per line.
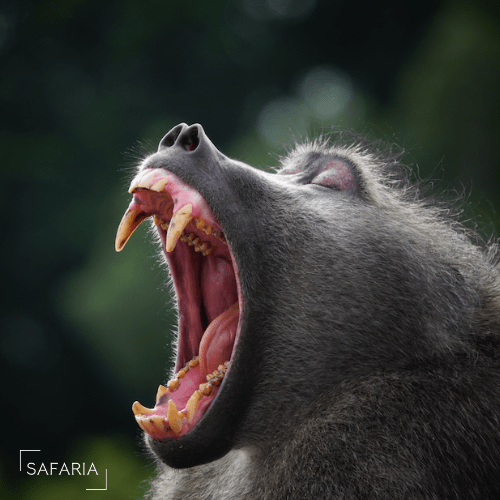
<point x="192" y="240"/>
<point x="205" y="248"/>
<point x="146" y="181"/>
<point x="180" y="219"/>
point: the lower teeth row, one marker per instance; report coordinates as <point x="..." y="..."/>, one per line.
<point x="175" y="418"/>
<point x="213" y="379"/>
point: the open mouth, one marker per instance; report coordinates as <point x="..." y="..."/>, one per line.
<point x="209" y="299"/>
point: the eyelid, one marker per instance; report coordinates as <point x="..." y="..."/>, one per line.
<point x="326" y="186"/>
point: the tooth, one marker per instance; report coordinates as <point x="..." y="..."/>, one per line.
<point x="174" y="417"/>
<point x="162" y="390"/>
<point x="145" y="182"/>
<point x="194" y="362"/>
<point x="138" y="178"/>
<point x="146" y="425"/>
<point x="200" y="223"/>
<point x="206" y="389"/>
<point x="202" y="248"/>
<point x="133" y="185"/>
<point x="159" y="186"/>
<point x="192" y="404"/>
<point x="140" y="410"/>
<point x="178" y="223"/>
<point x="130" y="222"/>
<point x="173" y="384"/>
<point x="158" y="220"/>
<point x="159" y="422"/>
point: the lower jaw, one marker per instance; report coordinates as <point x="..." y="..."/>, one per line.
<point x="186" y="398"/>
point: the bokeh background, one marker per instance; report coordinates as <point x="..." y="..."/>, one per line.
<point x="89" y="86"/>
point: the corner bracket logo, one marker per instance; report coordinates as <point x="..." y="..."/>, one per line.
<point x="60" y="469"/>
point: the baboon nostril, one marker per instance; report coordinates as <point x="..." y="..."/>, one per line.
<point x="186" y="137"/>
<point x="190" y="138"/>
<point x="170" y="139"/>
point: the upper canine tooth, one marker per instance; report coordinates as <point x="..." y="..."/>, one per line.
<point x="129" y="223"/>
<point x="140" y="410"/>
<point x="178" y="223"/>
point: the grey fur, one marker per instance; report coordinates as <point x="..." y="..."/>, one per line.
<point x="369" y="356"/>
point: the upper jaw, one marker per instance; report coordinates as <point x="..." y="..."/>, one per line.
<point x="181" y="199"/>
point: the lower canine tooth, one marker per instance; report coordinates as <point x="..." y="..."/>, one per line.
<point x="174" y="417"/>
<point x="192" y="404"/>
<point x="140" y="410"/>
<point x="178" y="223"/>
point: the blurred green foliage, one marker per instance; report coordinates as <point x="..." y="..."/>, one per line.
<point x="87" y="88"/>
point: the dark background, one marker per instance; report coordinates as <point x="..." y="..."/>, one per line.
<point x="88" y="86"/>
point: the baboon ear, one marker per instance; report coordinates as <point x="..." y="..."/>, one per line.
<point x="336" y="174"/>
<point x="328" y="170"/>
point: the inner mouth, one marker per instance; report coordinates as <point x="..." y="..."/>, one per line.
<point x="205" y="276"/>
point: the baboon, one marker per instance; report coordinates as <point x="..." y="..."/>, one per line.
<point x="338" y="333"/>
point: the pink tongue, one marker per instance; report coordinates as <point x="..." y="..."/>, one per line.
<point x="217" y="342"/>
